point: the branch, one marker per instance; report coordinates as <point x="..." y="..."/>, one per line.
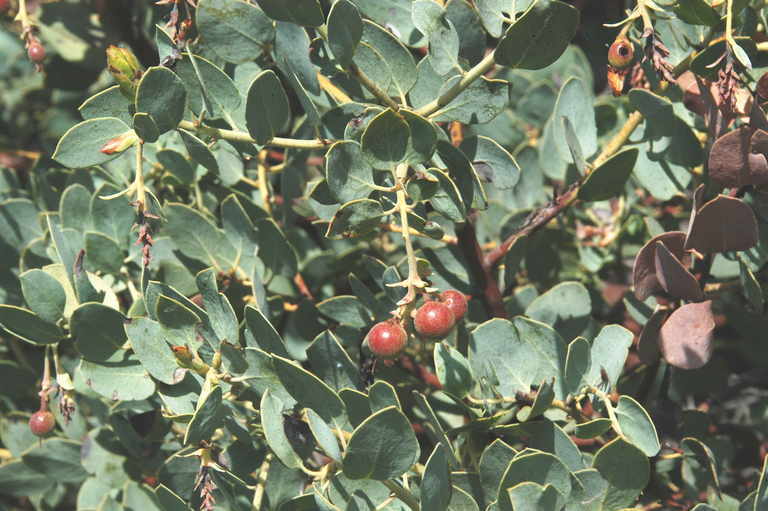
<point x="241" y="136"/>
<point x="373" y="88"/>
<point x="469" y="77"/>
<point x="402" y="494"/>
<point x="467" y="238"/>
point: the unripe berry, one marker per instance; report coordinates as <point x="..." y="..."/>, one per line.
<point x="41" y="423"/>
<point x="386" y="339"/>
<point x="433" y="319"/>
<point x="455" y="301"/>
<point x="621" y="53"/>
<point x="36" y="52"/>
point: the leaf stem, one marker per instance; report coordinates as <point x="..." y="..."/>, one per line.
<point x="413" y="280"/>
<point x="373" y="88"/>
<point x="261" y="482"/>
<point x="469" y="77"/>
<point x="402" y="494"/>
<point x="608" y="408"/>
<point x="241" y="136"/>
<point x="138" y="183"/>
<point x="263" y="183"/>
<point x="619" y="139"/>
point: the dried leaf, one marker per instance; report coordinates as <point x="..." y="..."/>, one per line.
<point x="722" y="224"/>
<point x="644" y="271"/>
<point x="674" y="278"/>
<point x="732" y="162"/>
<point x="686" y="337"/>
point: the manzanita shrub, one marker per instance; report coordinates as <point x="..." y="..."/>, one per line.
<point x="383" y="255"/>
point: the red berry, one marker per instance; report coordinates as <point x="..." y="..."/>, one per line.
<point x="621" y="53"/>
<point x="386" y="339"/>
<point x="433" y="319"/>
<point x="36" y="52"/>
<point x="455" y="301"/>
<point x="41" y="423"/>
<point x="4" y="5"/>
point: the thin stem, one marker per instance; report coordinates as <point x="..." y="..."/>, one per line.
<point x="241" y="136"/>
<point x="373" y="88"/>
<point x="608" y="408"/>
<point x="263" y="183"/>
<point x="261" y="482"/>
<point x="450" y="240"/>
<point x="402" y="494"/>
<point x="138" y="183"/>
<point x="619" y="139"/>
<point x="413" y="280"/>
<point x="469" y="77"/>
<point x="729" y="22"/>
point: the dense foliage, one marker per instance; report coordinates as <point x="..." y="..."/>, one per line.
<point x="383" y="254"/>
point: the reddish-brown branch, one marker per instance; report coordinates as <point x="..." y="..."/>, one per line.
<point x="473" y="253"/>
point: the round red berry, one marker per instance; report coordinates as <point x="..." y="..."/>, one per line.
<point x="433" y="319"/>
<point x="41" y="423"/>
<point x="386" y="339"/>
<point x="621" y="53"/>
<point x="455" y="301"/>
<point x="36" y="52"/>
<point x="5" y="5"/>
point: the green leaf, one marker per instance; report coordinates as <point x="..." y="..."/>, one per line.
<point x="431" y="19"/>
<point x="538" y="38"/>
<point x="19" y="480"/>
<point x="126" y="380"/>
<point x="178" y="321"/>
<point x="355" y="218"/>
<point x="28" y="326"/>
<point x="145" y="127"/>
<point x="479" y="103"/>
<point x="493" y="463"/>
<point x="58" y="459"/>
<point x="324" y="435"/>
<point x="103" y="253"/>
<point x="81" y="145"/>
<point x="74" y="207"/>
<point x="697" y="12"/>
<point x="271" y="413"/>
<point x="357" y="405"/>
<point x="656" y="109"/>
<point x="199" y="151"/>
<point x="220" y="313"/>
<point x="331" y="363"/>
<point x="705" y="458"/>
<point x="345" y="29"/>
<point x="546" y="436"/>
<point x="267" y="111"/>
<point x="275" y="251"/>
<point x="567" y="307"/>
<point x="608" y="180"/>
<point x="575" y="103"/>
<point x="168" y="500"/>
<point x="513" y="355"/>
<point x="44" y="295"/>
<point x="493" y="162"/>
<point x="308" y="390"/>
<point x="235" y="30"/>
<point x="542" y="402"/>
<point x="197" y="237"/>
<point x="346" y="310"/>
<point x="162" y="95"/>
<point x="626" y="469"/>
<point x="113" y="217"/>
<point x="152" y="348"/>
<point x="384" y="59"/>
<point x="609" y="352"/>
<point x="382" y="447"/>
<point x="208" y="88"/>
<point x="593" y="428"/>
<point x="209" y="415"/>
<point x="749" y="284"/>
<point x="348" y="173"/>
<point x="98" y="332"/>
<point x="537" y="467"/>
<point x="107" y="103"/>
<point x="453" y="370"/>
<point x="577" y="364"/>
<point x="436" y="486"/>
<point x="301" y="12"/>
<point x="396" y="13"/>
<point x="385" y="139"/>
<point x="381" y="395"/>
<point x="529" y="496"/>
<point x="263" y="332"/>
<point x="177" y="164"/>
<point x="637" y="426"/>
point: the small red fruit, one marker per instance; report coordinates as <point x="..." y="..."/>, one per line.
<point x="455" y="301"/>
<point x="621" y="53"/>
<point x="5" y="5"/>
<point x="36" y="52"/>
<point x="41" y="423"/>
<point x="386" y="339"/>
<point x="433" y="319"/>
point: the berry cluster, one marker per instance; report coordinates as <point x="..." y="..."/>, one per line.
<point x="434" y="319"/>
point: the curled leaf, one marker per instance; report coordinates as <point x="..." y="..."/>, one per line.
<point x="686" y="337"/>
<point x="737" y="158"/>
<point x="674" y="278"/>
<point x="644" y="271"/>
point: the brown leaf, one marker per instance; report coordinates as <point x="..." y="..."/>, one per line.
<point x="644" y="271"/>
<point x="686" y="337"/>
<point x="721" y="225"/>
<point x="648" y="343"/>
<point x="733" y="164"/>
<point x="674" y="278"/>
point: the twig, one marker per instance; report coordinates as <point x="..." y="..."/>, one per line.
<point x="450" y="240"/>
<point x="373" y="88"/>
<point x="469" y="77"/>
<point x="261" y="481"/>
<point x="413" y="280"/>
<point x="241" y="136"/>
<point x="402" y="494"/>
<point x="467" y="238"/>
<point x="263" y="183"/>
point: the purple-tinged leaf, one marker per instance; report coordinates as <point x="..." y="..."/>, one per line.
<point x="686" y="337"/>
